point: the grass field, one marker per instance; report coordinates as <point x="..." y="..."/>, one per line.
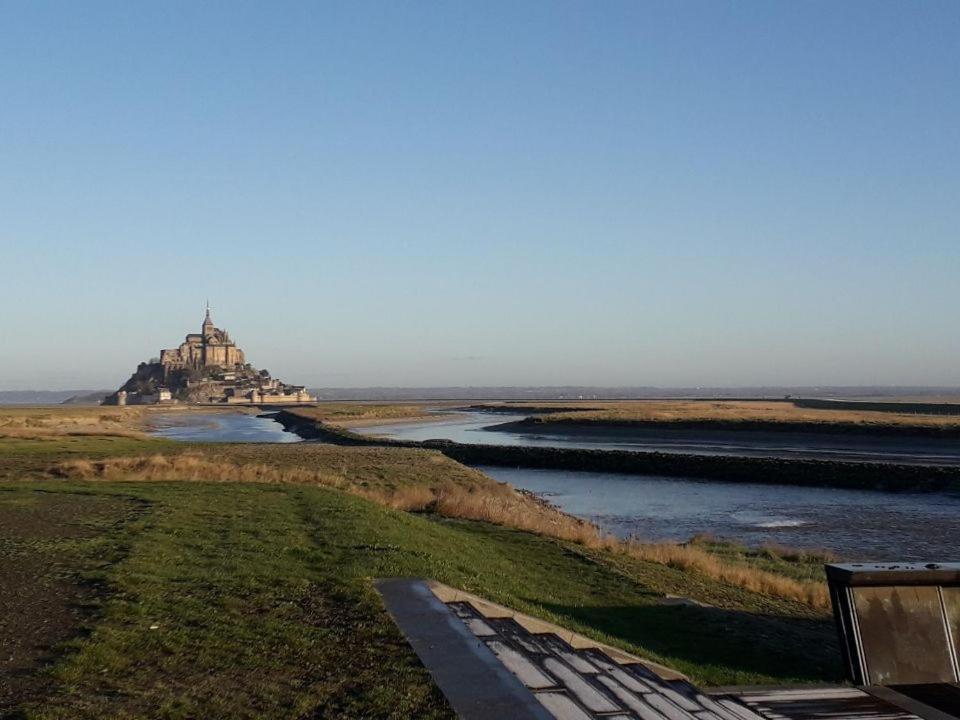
<point x="192" y="580"/>
<point x="719" y="411"/>
<point x="26" y="422"/>
<point x="245" y="600"/>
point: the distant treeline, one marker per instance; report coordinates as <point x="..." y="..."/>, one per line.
<point x="919" y="408"/>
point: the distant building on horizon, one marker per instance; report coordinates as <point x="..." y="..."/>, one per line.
<point x="210" y="347"/>
<point x="207" y="367"/>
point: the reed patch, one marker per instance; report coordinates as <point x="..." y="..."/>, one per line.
<point x="34" y="424"/>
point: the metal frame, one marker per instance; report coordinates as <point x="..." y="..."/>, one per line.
<point x="844" y="579"/>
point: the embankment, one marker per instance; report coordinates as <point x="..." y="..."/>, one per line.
<point x="577" y="426"/>
<point x="817" y="473"/>
<point x="919" y="408"/>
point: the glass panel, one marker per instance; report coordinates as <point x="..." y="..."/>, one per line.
<point x="904" y="639"/>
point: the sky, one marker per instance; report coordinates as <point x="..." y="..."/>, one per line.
<point x="484" y="193"/>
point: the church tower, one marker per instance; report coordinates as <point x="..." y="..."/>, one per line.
<point x="208" y="328"/>
<point x="207" y="337"/>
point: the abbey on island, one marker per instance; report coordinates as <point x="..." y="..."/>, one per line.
<point x="207" y="367"/>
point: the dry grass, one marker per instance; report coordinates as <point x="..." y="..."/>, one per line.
<point x="489" y="501"/>
<point x="798" y="555"/>
<point x="34" y="423"/>
<point x="692" y="558"/>
<point x="726" y="411"/>
<point x="186" y="466"/>
<point x="493" y="502"/>
<point x="359" y="414"/>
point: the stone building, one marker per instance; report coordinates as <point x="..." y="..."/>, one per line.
<point x="207" y="367"/>
<point x="211" y="347"/>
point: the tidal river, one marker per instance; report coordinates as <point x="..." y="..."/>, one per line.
<point x="220" y="427"/>
<point x="855" y="524"/>
<point x="490" y="428"/>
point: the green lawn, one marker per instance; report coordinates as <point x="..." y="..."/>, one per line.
<point x="237" y="600"/>
<point x="261" y="604"/>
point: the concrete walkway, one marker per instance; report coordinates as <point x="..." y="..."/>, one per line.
<point x="493" y="663"/>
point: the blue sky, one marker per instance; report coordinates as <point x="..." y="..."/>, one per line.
<point x="374" y="193"/>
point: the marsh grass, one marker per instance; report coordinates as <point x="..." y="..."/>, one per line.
<point x="691" y="557"/>
<point x="482" y="500"/>
<point x="37" y="423"/>
<point x="346" y="413"/>
<point x="726" y="411"/>
<point x="776" y="551"/>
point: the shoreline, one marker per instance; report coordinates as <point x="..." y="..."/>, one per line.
<point x="773" y="471"/>
<point x="575" y="427"/>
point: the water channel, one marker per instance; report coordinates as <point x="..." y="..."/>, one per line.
<point x="483" y="427"/>
<point x="855" y="524"/>
<point x="220" y="427"/>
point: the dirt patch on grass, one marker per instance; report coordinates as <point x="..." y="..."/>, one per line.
<point x="44" y="554"/>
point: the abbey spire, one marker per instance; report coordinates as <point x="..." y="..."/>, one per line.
<point x="207" y="323"/>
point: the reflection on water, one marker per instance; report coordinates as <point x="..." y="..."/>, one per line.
<point x="469" y="428"/>
<point x="220" y="427"/>
<point x="464" y="427"/>
<point x="856" y="524"/>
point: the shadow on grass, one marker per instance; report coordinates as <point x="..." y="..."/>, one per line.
<point x="789" y="649"/>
